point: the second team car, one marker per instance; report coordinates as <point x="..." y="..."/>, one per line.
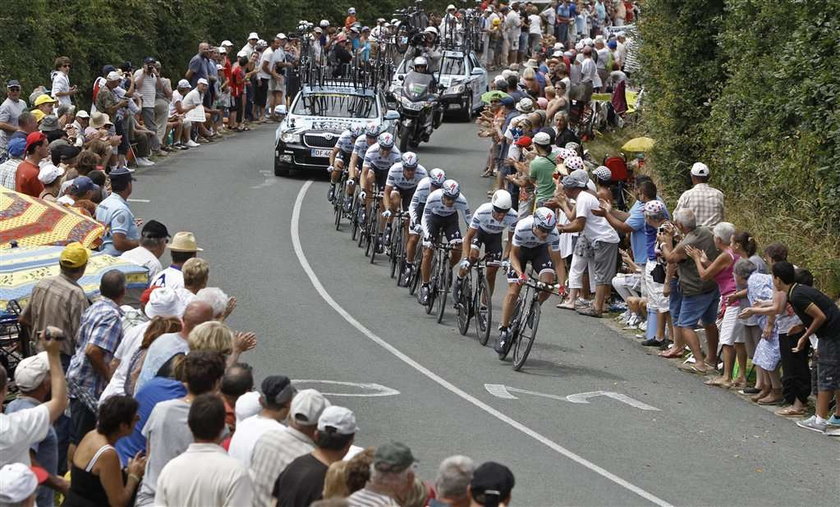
<point x="318" y="116"/>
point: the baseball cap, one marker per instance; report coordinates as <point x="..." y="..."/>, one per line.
<point x="280" y="36"/>
<point x="16" y="146"/>
<point x="82" y="184"/>
<point x="49" y="123"/>
<point x="49" y="173"/>
<point x="113" y="76"/>
<point x="393" y="457"/>
<point x="226" y="43"/>
<point x="492" y="478"/>
<point x="542" y="139"/>
<point x="525" y="105"/>
<point x="612" y="44"/>
<point x="351" y="10"/>
<point x="253" y="35"/>
<point x="34" y="138"/>
<point x="222" y="50"/>
<point x="44" y="99"/>
<point x="154" y="229"/>
<point x="247" y="405"/>
<point x="277" y="389"/>
<point x="164" y="302"/>
<point x="149" y="59"/>
<point x="700" y="169"/>
<point x="577" y="179"/>
<point x="523" y="142"/>
<point x="82" y="114"/>
<point x="74" y="255"/>
<point x="31" y="372"/>
<point x="12" y="83"/>
<point x="65" y="152"/>
<point x="307" y="407"/>
<point x="18" y="482"/>
<point x="184" y="84"/>
<point x="335" y="419"/>
<point x="202" y="81"/>
<point x="507" y="101"/>
<point x="121" y="172"/>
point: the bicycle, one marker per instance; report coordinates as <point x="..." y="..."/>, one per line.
<point x="397" y="242"/>
<point x="338" y="200"/>
<point x="372" y="235"/>
<point x="525" y="321"/>
<point x="476" y="303"/>
<point x="441" y="279"/>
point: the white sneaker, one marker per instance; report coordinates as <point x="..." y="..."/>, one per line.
<point x="812" y="424"/>
<point x="144" y="162"/>
<point x="643" y="325"/>
<point x="192" y="144"/>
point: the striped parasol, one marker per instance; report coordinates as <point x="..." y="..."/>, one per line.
<point x="22" y="268"/>
<point x="34" y="222"/>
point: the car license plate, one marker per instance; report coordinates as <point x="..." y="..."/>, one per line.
<point x="321" y="152"/>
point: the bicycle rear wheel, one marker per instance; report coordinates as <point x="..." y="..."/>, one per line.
<point x="396" y="248"/>
<point x="360" y="210"/>
<point x="372" y="232"/>
<point x="483" y="307"/>
<point x="514" y="326"/>
<point x="527" y="335"/>
<point x="443" y="286"/>
<point x="464" y="307"/>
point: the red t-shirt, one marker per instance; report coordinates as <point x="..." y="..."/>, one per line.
<point x="237" y="81"/>
<point x="26" y="179"/>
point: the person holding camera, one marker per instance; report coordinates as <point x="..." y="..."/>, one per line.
<point x="147" y="81"/>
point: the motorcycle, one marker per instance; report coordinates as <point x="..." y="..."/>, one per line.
<point x="420" y="112"/>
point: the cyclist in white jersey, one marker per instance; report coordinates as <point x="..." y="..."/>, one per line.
<point x="441" y="214"/>
<point x="400" y="183"/>
<point x="415" y="213"/>
<point x="340" y="155"/>
<point x="537" y="241"/>
<point x="360" y="147"/>
<point x="486" y="227"/>
<point x="378" y="159"/>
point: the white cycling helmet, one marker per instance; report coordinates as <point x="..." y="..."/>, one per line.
<point x="372" y="130"/>
<point x="574" y="163"/>
<point x="501" y="201"/>
<point x="545" y="219"/>
<point x="409" y="160"/>
<point x="451" y="189"/>
<point x="356" y="130"/>
<point x="437" y="177"/>
<point x="385" y="140"/>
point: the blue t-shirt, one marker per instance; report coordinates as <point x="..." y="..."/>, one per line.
<point x="155" y="391"/>
<point x="46" y="451"/>
<point x="638" y="238"/>
<point x="649" y="235"/>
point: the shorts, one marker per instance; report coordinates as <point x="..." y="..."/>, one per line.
<point x="828" y="364"/>
<point x="675" y="300"/>
<point x="492" y="244"/>
<point x="699" y="308"/>
<point x="416" y="230"/>
<point x="539" y="258"/>
<point x="345" y="157"/>
<point x="236" y="104"/>
<point x="731" y="333"/>
<point x="449" y="225"/>
<point x="380" y="177"/>
<point x="405" y="196"/>
<point x="82" y="420"/>
<point x="606" y="262"/>
<point x="654" y="291"/>
<point x="277" y="85"/>
<point x="261" y="92"/>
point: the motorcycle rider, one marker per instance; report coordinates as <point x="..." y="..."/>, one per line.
<point x="418" y="73"/>
<point x="428" y="47"/>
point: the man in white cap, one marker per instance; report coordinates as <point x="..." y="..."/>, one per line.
<point x="277" y="448"/>
<point x="276" y="394"/>
<point x="705" y="201"/>
<point x="250" y="46"/>
<point x="194" y="99"/>
<point x="182" y="248"/>
<point x="302" y="482"/>
<point x="32" y="378"/>
<point x="18" y="484"/>
<point x="177" y="111"/>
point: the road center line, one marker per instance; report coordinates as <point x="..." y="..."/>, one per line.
<point x="316" y="283"/>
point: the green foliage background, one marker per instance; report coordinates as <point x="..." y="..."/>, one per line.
<point x="751" y="87"/>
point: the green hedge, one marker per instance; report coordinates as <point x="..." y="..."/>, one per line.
<point x="751" y="88"/>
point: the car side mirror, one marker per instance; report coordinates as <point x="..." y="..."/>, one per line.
<point x="392" y="115"/>
<point x="477" y="71"/>
<point x="401" y="77"/>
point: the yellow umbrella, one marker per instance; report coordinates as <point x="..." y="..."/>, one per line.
<point x="638" y="144"/>
<point x="34" y="222"/>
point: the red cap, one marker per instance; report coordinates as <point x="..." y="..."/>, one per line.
<point x="524" y="142"/>
<point x="144" y="297"/>
<point x="34" y="138"/>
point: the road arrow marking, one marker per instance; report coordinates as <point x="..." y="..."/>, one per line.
<point x="369" y="390"/>
<point x="505" y="392"/>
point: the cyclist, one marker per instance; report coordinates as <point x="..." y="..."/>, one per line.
<point x="415" y="213"/>
<point x="537" y="241"/>
<point x="340" y="156"/>
<point x="378" y="160"/>
<point x="400" y="185"/>
<point x="360" y="147"/>
<point x="441" y="214"/>
<point x="486" y="227"/>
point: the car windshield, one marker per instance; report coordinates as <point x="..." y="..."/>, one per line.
<point x="335" y="105"/>
<point x="452" y="65"/>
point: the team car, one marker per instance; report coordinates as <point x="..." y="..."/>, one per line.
<point x="318" y="116"/>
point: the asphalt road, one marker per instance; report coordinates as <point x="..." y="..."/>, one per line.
<point x="322" y="313"/>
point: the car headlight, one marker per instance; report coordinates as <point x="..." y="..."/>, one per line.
<point x="289" y="137"/>
<point x="456" y="89"/>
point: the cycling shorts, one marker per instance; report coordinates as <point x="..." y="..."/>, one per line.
<point x="538" y="257"/>
<point x="345" y="157"/>
<point x="492" y="244"/>
<point x="405" y="196"/>
<point x="449" y="225"/>
<point x="380" y="177"/>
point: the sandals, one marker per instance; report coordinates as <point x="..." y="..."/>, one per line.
<point x="589" y="312"/>
<point x="791" y="412"/>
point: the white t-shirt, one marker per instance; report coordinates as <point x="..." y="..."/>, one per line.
<point x="61" y="83"/>
<point x="143" y="257"/>
<point x="176" y="97"/>
<point x="246" y="435"/>
<point x="148" y="88"/>
<point x="130" y="343"/>
<point x="192" y="98"/>
<point x="169" y="277"/>
<point x="513" y="25"/>
<point x="536" y="24"/>
<point x="278" y="56"/>
<point x="265" y="58"/>
<point x="596" y="228"/>
<point x="18" y="431"/>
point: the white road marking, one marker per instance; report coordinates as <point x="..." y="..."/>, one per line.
<point x="371" y="390"/>
<point x="138" y="200"/>
<point x="504" y="392"/>
<point x="270" y="179"/>
<point x="316" y="283"/>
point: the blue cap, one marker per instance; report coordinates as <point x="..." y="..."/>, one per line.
<point x="507" y="101"/>
<point x="16" y="146"/>
<point x="108" y="68"/>
<point x="612" y="44"/>
<point x="121" y="172"/>
<point x="82" y="184"/>
<point x="13" y="82"/>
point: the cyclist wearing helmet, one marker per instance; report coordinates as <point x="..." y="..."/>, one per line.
<point x="441" y="214"/>
<point x="360" y="147"/>
<point x="400" y="184"/>
<point x="537" y="241"/>
<point x="340" y="155"/>
<point x="486" y="227"/>
<point x="378" y="160"/>
<point x="415" y="212"/>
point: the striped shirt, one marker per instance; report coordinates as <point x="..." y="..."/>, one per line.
<point x="706" y="202"/>
<point x="271" y="455"/>
<point x="102" y="327"/>
<point x="367" y="498"/>
<point x="57" y="301"/>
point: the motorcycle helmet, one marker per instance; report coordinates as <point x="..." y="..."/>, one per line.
<point x="421" y="61"/>
<point x="545" y="219"/>
<point x="437" y="177"/>
<point x="501" y="201"/>
<point x="451" y="189"/>
<point x="386" y="141"/>
<point x="409" y="160"/>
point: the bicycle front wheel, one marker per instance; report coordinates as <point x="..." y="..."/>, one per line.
<point x="443" y="287"/>
<point x="527" y="335"/>
<point x="463" y="306"/>
<point x="483" y="306"/>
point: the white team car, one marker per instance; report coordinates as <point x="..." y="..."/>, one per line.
<point x="318" y="116"/>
